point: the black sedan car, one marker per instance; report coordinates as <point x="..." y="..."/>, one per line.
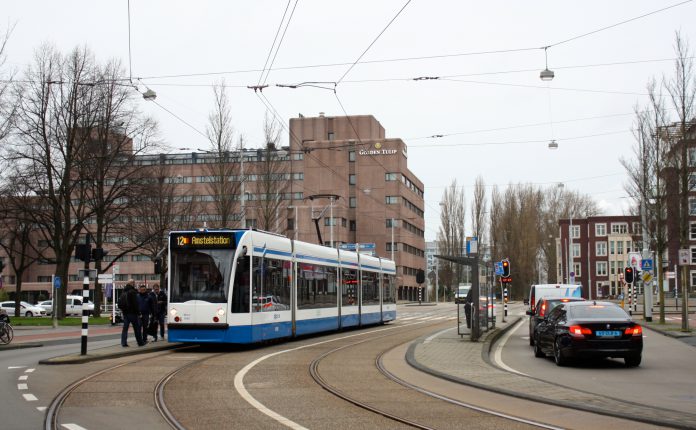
<point x="589" y="329"/>
<point x="543" y="307"/>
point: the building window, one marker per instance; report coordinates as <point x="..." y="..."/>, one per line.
<point x="692" y="230"/>
<point x="635" y="227"/>
<point x="613" y="267"/>
<point x="600" y="229"/>
<point x="391" y="200"/>
<point x="291" y="223"/>
<point x="352" y="225"/>
<point x="692" y="206"/>
<point x="352" y="202"/>
<point x="692" y="157"/>
<point x="351" y="179"/>
<point x="331" y="135"/>
<point x="601" y="249"/>
<point x="619" y="247"/>
<point x="601" y="268"/>
<point x="611" y="248"/>
<point x="628" y="246"/>
<point x="391" y="222"/>
<point x="391" y="177"/>
<point x="43" y="279"/>
<point x="693" y="278"/>
<point x="575" y="232"/>
<point x="351" y="156"/>
<point x="693" y="254"/>
<point x="576" y="269"/>
<point x="330" y="221"/>
<point x="392" y="248"/>
<point x="576" y="250"/>
<point x="619" y="228"/>
<point x="250" y="223"/>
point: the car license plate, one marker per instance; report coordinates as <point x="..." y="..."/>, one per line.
<point x="608" y="333"/>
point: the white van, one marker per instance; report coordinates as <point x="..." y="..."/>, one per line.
<point x="540" y="291"/>
<point x="462" y="292"/>
<point x="73" y="306"/>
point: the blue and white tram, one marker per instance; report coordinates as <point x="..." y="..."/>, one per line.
<point x="245" y="286"/>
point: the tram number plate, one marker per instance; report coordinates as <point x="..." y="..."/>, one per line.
<point x="608" y="333"/>
<point x="276" y="316"/>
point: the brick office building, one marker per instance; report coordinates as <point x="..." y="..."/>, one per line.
<point x="599" y="247"/>
<point x="377" y="201"/>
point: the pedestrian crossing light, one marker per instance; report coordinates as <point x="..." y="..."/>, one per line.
<point x="628" y="275"/>
<point x="506" y="268"/>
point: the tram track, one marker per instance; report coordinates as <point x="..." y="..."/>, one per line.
<point x="402" y="418"/>
<point x="53" y="411"/>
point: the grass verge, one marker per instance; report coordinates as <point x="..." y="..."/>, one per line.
<point x="48" y="322"/>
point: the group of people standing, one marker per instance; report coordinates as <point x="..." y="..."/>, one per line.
<point x="145" y="309"/>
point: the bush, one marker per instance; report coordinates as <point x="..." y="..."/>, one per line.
<point x="3" y="295"/>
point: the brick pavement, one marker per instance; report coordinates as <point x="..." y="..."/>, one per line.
<point x="459" y="360"/>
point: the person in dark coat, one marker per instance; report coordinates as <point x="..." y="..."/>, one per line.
<point x="161" y="308"/>
<point x="130" y="315"/>
<point x="468" y="302"/>
<point x="146" y="307"/>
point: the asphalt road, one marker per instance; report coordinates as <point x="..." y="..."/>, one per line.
<point x="664" y="379"/>
<point x="27" y="388"/>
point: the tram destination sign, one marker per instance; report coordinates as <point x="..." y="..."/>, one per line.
<point x="202" y="241"/>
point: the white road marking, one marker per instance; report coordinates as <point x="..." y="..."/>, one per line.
<point x="73" y="427"/>
<point x="239" y="377"/>
<point x="430" y="338"/>
<point x="29" y="370"/>
<point x="16" y="367"/>
<point x="41" y="408"/>
<point x="22" y="387"/>
<point x="23" y="377"/>
<point x="30" y="397"/>
<point x="497" y="357"/>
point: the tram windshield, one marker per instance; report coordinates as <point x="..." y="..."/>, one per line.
<point x="201" y="274"/>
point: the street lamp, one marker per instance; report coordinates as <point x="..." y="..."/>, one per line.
<point x="553" y="144"/>
<point x="149" y="95"/>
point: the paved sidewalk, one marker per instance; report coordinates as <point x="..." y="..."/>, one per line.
<point x="446" y="355"/>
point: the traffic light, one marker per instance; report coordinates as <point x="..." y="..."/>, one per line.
<point x="98" y="254"/>
<point x="628" y="275"/>
<point x="506" y="268"/>
<point x="83" y="251"/>
<point x="420" y="276"/>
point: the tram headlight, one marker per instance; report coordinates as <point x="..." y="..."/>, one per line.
<point x="173" y="312"/>
<point x="221" y="312"/>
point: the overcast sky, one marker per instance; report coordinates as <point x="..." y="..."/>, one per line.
<point x="496" y="115"/>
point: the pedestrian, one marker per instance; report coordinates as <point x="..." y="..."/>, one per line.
<point x="129" y="309"/>
<point x="468" y="301"/>
<point x="146" y="308"/>
<point x="161" y="308"/>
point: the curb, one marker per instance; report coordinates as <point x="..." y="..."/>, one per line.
<point x="81" y="359"/>
<point x="672" y="334"/>
<point x="487" y="345"/>
<point x="20" y="346"/>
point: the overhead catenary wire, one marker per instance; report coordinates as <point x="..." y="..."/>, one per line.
<point x="282" y="37"/>
<point x="373" y="42"/>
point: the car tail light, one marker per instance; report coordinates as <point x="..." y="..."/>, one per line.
<point x="636" y="330"/>
<point x="542" y="311"/>
<point x="579" y="331"/>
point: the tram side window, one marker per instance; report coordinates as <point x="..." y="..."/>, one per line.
<point x="349" y="292"/>
<point x="240" y="291"/>
<point x="271" y="285"/>
<point x="316" y="286"/>
<point x="388" y="290"/>
<point x="370" y="288"/>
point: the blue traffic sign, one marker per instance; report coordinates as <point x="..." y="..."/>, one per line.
<point x="56" y="282"/>
<point x="646" y="264"/>
<point x="498" y="265"/>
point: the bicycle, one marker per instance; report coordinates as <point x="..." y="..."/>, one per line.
<point x="6" y="333"/>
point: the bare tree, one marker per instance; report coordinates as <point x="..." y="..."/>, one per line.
<point x="7" y="107"/>
<point x="645" y="172"/>
<point x="479" y="209"/>
<point x="120" y="134"/>
<point x="682" y="90"/>
<point x="451" y="236"/>
<point x="17" y="235"/>
<point x="224" y="169"/>
<point x="48" y="151"/>
<point x="272" y="177"/>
